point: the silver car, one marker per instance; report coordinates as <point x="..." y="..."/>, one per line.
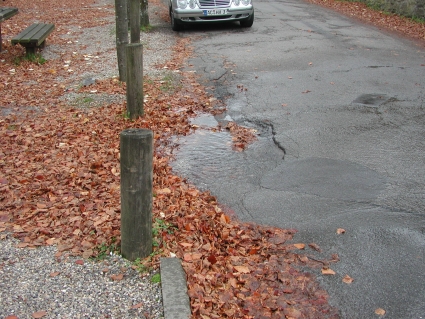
<point x="199" y="11"/>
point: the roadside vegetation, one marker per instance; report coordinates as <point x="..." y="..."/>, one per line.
<point x="413" y="28"/>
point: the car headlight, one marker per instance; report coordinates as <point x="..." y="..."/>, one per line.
<point x="182" y="4"/>
<point x="192" y="4"/>
<point x="237" y="2"/>
<point x="246" y="2"/>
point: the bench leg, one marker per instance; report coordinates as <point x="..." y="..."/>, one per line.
<point x="30" y="50"/>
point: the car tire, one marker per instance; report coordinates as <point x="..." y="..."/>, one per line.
<point x="176" y="24"/>
<point x="248" y="22"/>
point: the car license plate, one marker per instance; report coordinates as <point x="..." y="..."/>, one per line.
<point x="215" y="12"/>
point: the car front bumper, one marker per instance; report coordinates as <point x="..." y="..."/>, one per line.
<point x="200" y="15"/>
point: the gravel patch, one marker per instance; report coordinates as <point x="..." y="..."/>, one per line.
<point x="34" y="281"/>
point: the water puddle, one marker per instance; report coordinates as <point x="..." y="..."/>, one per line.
<point x="207" y="158"/>
<point x="207" y="153"/>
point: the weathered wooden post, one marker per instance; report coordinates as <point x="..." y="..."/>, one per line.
<point x="134" y="17"/>
<point x="134" y="53"/>
<point x="121" y="22"/>
<point x="136" y="157"/>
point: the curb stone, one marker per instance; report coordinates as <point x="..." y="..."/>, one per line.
<point x="174" y="289"/>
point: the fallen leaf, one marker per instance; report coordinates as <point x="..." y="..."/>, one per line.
<point x="140" y="304"/>
<point x="51" y="241"/>
<point x="164" y="191"/>
<point x="187" y="257"/>
<point x="242" y="269"/>
<point x="11" y="317"/>
<point x="380" y="312"/>
<point x="340" y="231"/>
<point x="79" y="262"/>
<point x="117" y="277"/>
<point x="186" y="244"/>
<point x="315" y="247"/>
<point x="347" y="279"/>
<point x="54" y="274"/>
<point x="39" y="314"/>
<point x="327" y="271"/>
<point x="212" y="259"/>
<point x="299" y="246"/>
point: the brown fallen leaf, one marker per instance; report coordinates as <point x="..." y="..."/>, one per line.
<point x="380" y="312"/>
<point x="327" y="271"/>
<point x="51" y="241"/>
<point x="79" y="262"/>
<point x="212" y="259"/>
<point x="315" y="247"/>
<point x="140" y="304"/>
<point x="299" y="246"/>
<point x="347" y="279"/>
<point x="54" y="274"/>
<point x="186" y="244"/>
<point x="11" y="317"/>
<point x="39" y="314"/>
<point x="340" y="231"/>
<point x="187" y="257"/>
<point x="242" y="269"/>
<point x="117" y="277"/>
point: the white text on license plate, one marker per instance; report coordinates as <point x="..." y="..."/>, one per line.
<point x="215" y="12"/>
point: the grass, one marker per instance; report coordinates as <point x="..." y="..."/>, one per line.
<point x="169" y="83"/>
<point x="156" y="279"/>
<point x="105" y="250"/>
<point x="158" y="227"/>
<point x="34" y="58"/>
<point x="146" y="29"/>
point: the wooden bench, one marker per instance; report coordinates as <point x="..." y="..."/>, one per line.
<point x="33" y="37"/>
<point x="6" y="13"/>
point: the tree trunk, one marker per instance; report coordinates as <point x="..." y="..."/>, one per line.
<point x="144" y="15"/>
<point x="121" y="21"/>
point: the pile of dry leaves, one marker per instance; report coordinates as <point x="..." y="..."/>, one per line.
<point x="60" y="179"/>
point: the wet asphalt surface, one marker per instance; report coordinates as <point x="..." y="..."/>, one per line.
<point x="340" y="114"/>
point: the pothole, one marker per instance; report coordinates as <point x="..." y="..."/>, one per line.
<point x="373" y="100"/>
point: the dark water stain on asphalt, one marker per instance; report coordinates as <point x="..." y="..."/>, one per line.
<point x="327" y="178"/>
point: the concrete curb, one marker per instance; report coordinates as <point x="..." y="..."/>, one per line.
<point x="174" y="289"/>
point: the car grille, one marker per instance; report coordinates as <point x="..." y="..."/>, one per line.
<point x="214" y="3"/>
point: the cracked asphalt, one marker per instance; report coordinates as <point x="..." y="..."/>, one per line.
<point x="339" y="109"/>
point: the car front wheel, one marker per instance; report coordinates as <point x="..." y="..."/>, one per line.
<point x="248" y="22"/>
<point x="176" y="24"/>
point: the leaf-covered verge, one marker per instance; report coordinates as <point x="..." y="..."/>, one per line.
<point x="402" y="26"/>
<point x="59" y="177"/>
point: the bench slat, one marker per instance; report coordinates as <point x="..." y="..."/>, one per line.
<point x="34" y="35"/>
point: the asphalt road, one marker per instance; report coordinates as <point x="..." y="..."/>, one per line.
<point x="339" y="109"/>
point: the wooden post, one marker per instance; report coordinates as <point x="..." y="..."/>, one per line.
<point x="121" y="22"/>
<point x="136" y="157"/>
<point x="134" y="15"/>
<point x="134" y="53"/>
